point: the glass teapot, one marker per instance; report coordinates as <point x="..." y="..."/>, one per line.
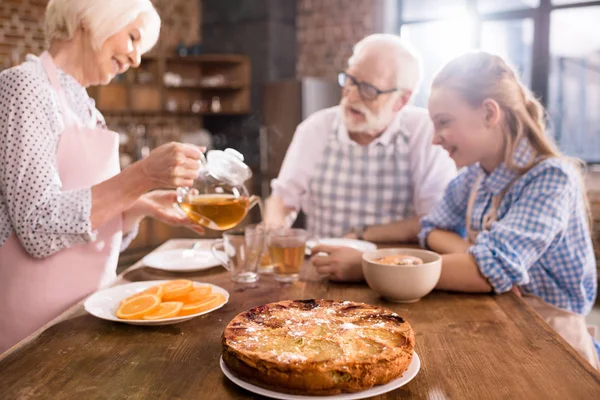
<point x="218" y="200"/>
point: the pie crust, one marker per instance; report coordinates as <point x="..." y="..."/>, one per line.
<point x="318" y="347"/>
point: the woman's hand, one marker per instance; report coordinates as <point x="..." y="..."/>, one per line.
<point x="159" y="205"/>
<point x="339" y="263"/>
<point x="171" y="165"/>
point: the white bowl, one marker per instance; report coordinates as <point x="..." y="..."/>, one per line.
<point x="402" y="283"/>
<point x="361" y="245"/>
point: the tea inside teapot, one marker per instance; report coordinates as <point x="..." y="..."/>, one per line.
<point x="216" y="211"/>
<point x="219" y="200"/>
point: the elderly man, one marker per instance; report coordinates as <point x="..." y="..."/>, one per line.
<point x="367" y="168"/>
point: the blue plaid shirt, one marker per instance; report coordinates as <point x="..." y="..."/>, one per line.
<point x="540" y="241"/>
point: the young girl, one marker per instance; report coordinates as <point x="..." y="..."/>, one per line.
<point x="521" y="202"/>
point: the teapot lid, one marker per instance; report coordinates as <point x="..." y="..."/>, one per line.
<point x="228" y="165"/>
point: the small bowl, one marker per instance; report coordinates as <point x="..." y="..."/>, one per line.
<point x="402" y="283"/>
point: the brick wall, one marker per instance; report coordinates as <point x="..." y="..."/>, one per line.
<point x="180" y="23"/>
<point x="22" y="27"/>
<point x="326" y="32"/>
<point x="22" y="32"/>
<point x="265" y="31"/>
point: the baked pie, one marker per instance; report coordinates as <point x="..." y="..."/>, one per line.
<point x="318" y="347"/>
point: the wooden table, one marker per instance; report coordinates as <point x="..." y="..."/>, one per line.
<point x="471" y="347"/>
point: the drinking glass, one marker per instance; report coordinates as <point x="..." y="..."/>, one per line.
<point x="265" y="266"/>
<point x="286" y="249"/>
<point x="242" y="254"/>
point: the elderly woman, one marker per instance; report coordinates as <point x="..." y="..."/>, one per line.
<point x="66" y="210"/>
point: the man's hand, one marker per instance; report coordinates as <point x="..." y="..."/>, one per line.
<point x="338" y="263"/>
<point x="277" y="215"/>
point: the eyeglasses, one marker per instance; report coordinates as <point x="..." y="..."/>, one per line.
<point x="365" y="90"/>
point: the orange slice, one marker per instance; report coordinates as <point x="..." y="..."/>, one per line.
<point x="139" y="307"/>
<point x="168" y="309"/>
<point x="177" y="288"/>
<point x="157" y="290"/>
<point x="211" y="301"/>
<point x="199" y="293"/>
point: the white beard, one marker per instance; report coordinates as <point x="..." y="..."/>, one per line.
<point x="374" y="123"/>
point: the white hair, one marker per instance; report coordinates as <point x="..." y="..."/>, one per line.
<point x="104" y="18"/>
<point x="405" y="60"/>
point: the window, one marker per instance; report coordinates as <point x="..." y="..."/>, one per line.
<point x="442" y="41"/>
<point x="442" y="29"/>
<point x="494" y="6"/>
<point x="511" y="40"/>
<point x="563" y="2"/>
<point x="414" y="10"/>
<point x="574" y="82"/>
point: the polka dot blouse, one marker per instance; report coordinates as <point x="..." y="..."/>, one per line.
<point x="32" y="204"/>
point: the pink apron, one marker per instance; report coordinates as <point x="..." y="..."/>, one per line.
<point x="571" y="326"/>
<point x="34" y="291"/>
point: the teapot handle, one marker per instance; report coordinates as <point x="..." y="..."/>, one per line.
<point x="252" y="201"/>
<point x="182" y="192"/>
<point x="217" y="253"/>
<point x="203" y="163"/>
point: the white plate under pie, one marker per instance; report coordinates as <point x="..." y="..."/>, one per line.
<point x="104" y="303"/>
<point x="180" y="260"/>
<point x="361" y="245"/>
<point x="407" y="376"/>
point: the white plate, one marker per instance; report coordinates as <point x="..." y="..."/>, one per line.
<point x="104" y="303"/>
<point x="408" y="375"/>
<point x="180" y="260"/>
<point x="361" y="245"/>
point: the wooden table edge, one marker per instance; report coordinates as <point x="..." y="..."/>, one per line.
<point x="559" y="339"/>
<point x="75" y="307"/>
<point x="500" y="300"/>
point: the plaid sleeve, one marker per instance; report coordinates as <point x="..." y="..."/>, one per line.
<point x="535" y="219"/>
<point x="450" y="212"/>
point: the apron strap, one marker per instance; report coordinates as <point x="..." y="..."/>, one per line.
<point x="491" y="216"/>
<point x="52" y="73"/>
<point x="472" y="234"/>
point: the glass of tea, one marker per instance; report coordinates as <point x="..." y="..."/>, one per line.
<point x="242" y="253"/>
<point x="265" y="266"/>
<point x="219" y="199"/>
<point x="286" y="250"/>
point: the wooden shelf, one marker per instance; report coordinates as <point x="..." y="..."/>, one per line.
<point x="204" y="114"/>
<point x="128" y="97"/>
<point x="225" y="114"/>
<point x="130" y="85"/>
<point x="209" y="58"/>
<point x="172" y="113"/>
<point x="150" y="57"/>
<point x="132" y="100"/>
<point x="209" y="88"/>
